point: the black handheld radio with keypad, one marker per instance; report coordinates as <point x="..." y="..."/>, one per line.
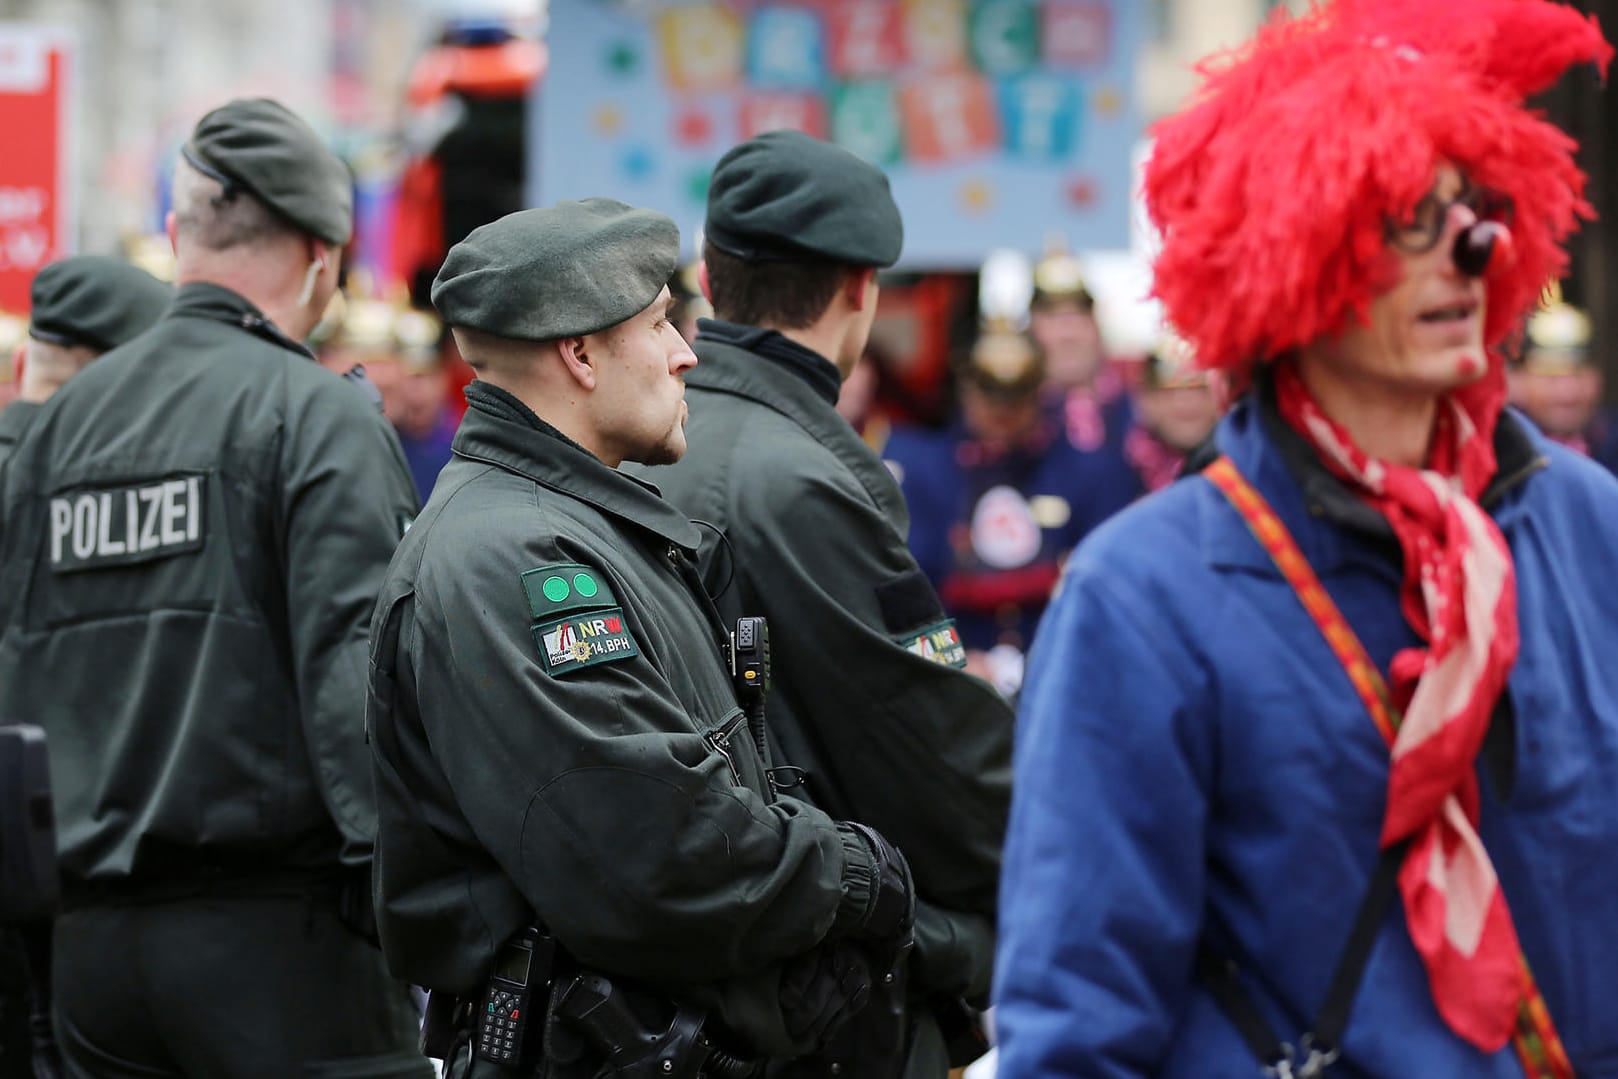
<point x="523" y="964"/>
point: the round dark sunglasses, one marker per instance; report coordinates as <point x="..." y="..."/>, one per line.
<point x="1421" y="232"/>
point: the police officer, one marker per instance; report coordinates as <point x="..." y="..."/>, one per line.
<point x="194" y="531"/>
<point x="80" y="307"/>
<point x="899" y="737"/>
<point x="998" y="499"/>
<point x="557" y="739"/>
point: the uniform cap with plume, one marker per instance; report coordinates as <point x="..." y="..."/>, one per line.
<point x="1272" y="189"/>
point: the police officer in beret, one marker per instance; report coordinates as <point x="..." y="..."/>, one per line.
<point x="557" y="737"/>
<point x="80" y="307"/>
<point x="899" y="737"/>
<point x="194" y="532"/>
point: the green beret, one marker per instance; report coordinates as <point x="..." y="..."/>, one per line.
<point x="566" y="271"/>
<point x="259" y="145"/>
<point x="94" y="300"/>
<point x="785" y="195"/>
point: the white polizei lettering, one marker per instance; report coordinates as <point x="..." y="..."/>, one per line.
<point x="105" y="544"/>
<point x="193" y="518"/>
<point x="153" y="498"/>
<point x="173" y="511"/>
<point x="61" y="526"/>
<point x="84" y="526"/>
<point x="131" y="522"/>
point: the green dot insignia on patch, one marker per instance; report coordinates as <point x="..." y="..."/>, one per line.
<point x="552" y="591"/>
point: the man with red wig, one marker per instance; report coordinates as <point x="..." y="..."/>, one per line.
<point x="1317" y="767"/>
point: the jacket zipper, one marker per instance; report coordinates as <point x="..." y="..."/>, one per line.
<point x="718" y="740"/>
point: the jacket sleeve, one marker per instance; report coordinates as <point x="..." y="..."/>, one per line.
<point x="346" y="496"/>
<point x="1102" y="899"/>
<point x="600" y="796"/>
<point x="923" y="749"/>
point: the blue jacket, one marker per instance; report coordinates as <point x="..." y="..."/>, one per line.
<point x="1191" y="758"/>
<point x="993" y="580"/>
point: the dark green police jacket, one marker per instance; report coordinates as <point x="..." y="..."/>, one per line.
<point x="865" y="696"/>
<point x="191" y="539"/>
<point x="555" y="734"/>
<point x="14" y="421"/>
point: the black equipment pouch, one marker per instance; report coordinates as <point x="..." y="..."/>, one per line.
<point x="589" y="1014"/>
<point x="355" y="907"/>
<point x="29" y="886"/>
<point x="444" y="1026"/>
<point x="965" y="1038"/>
<point x="1319" y="1049"/>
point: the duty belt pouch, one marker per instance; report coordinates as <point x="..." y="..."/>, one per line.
<point x="29" y="886"/>
<point x="873" y="1043"/>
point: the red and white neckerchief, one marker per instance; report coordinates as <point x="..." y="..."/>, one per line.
<point x="1459" y="594"/>
<point x="1153" y="461"/>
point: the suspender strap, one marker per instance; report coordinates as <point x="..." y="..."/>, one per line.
<point x="1538" y="1045"/>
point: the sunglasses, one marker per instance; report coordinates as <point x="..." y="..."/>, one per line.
<point x="1421" y="232"/>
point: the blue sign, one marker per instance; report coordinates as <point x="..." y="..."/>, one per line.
<point x="1000" y="122"/>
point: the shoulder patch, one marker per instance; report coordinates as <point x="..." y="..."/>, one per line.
<point x="583" y="640"/>
<point x="553" y="590"/>
<point x="939" y="642"/>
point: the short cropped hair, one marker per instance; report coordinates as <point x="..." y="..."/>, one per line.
<point x="207" y="217"/>
<point x="785" y="295"/>
<point x="485" y="352"/>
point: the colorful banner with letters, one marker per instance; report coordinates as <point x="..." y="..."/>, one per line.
<point x="1000" y="122"/>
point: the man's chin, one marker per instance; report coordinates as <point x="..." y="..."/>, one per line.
<point x="665" y="453"/>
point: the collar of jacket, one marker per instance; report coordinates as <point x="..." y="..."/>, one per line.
<point x="726" y="368"/>
<point x="1279" y="462"/>
<point x="14" y="420"/>
<point x="817" y="371"/>
<point x="502" y="431"/>
<point x="203" y="299"/>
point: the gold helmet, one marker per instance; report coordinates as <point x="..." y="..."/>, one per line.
<point x="417" y="334"/>
<point x="151" y="252"/>
<point x="1004" y="361"/>
<point x="1557" y="337"/>
<point x="1172" y="364"/>
<point x="1059" y="278"/>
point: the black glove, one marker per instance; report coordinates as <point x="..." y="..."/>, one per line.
<point x="821" y="989"/>
<point x="883" y="880"/>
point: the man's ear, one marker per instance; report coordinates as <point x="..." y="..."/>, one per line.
<point x="577" y="360"/>
<point x="19" y="361"/>
<point x="854" y="286"/>
<point x="170" y="226"/>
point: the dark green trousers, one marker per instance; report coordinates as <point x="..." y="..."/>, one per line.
<point x="228" y="988"/>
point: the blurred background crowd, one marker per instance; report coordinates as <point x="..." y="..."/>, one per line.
<point x="1019" y="382"/>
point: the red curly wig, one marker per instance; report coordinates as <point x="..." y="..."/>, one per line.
<point x="1273" y="188"/>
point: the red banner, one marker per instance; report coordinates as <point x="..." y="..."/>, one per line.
<point x="36" y="185"/>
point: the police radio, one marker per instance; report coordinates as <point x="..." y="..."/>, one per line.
<point x="750" y="661"/>
<point x="750" y="668"/>
<point x="523" y="963"/>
